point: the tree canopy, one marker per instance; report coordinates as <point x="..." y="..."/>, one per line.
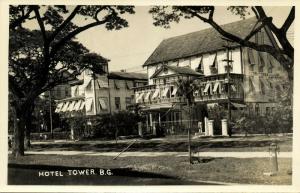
<point x="49" y="55"/>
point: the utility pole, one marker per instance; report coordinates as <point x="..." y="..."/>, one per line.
<point x="229" y="61"/>
<point x="50" y="112"/>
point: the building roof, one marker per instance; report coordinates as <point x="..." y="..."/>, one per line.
<point x="199" y="42"/>
<point x="127" y="76"/>
<point x="179" y="70"/>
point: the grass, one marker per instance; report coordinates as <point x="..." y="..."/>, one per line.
<point x="175" y="144"/>
<point x="230" y="170"/>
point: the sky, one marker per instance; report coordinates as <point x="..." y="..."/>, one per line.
<point x="130" y="47"/>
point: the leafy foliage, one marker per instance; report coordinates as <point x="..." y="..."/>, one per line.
<point x="42" y="58"/>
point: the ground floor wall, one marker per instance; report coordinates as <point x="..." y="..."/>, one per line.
<point x="197" y="118"/>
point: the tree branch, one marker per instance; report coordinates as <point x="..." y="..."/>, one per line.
<point x="72" y="34"/>
<point x="289" y="20"/>
<point x="65" y="23"/>
<point x="253" y="32"/>
<point x="21" y="19"/>
<point x="255" y="12"/>
<point x="40" y="22"/>
<point x="263" y="18"/>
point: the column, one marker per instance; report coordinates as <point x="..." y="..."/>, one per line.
<point x="211" y="128"/>
<point x="224" y="127"/>
<point x="206" y="126"/>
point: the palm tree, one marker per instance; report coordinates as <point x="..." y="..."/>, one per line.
<point x="186" y="88"/>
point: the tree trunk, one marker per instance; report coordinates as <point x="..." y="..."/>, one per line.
<point x="19" y="128"/>
<point x="28" y="124"/>
<point x="23" y="118"/>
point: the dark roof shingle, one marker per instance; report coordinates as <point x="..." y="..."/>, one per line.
<point x="178" y="70"/>
<point x="199" y="42"/>
<point x="127" y="75"/>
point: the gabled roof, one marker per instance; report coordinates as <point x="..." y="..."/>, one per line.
<point x="200" y="42"/>
<point x="179" y="70"/>
<point x="127" y="76"/>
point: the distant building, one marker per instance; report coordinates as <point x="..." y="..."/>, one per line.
<point x="254" y="82"/>
<point x="101" y="94"/>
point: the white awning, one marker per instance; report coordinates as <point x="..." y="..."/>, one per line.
<point x="71" y="106"/>
<point x="155" y="95"/>
<point x="251" y="86"/>
<point x="75" y="91"/>
<point x="217" y="87"/>
<point x="140" y="97"/>
<point x="256" y="84"/>
<point x="77" y="105"/>
<point x="59" y="107"/>
<point x="127" y="85"/>
<point x="147" y="96"/>
<point x="65" y="107"/>
<point x="102" y="84"/>
<point x="174" y="91"/>
<point x="87" y="82"/>
<point x="102" y="103"/>
<point x="117" y="86"/>
<point x="261" y="58"/>
<point x="82" y="105"/>
<point x="266" y="83"/>
<point x="165" y="92"/>
<point x="207" y="87"/>
<point x="250" y="56"/>
<point x="89" y="104"/>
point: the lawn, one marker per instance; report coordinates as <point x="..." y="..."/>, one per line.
<point x="148" y="170"/>
<point x="173" y="144"/>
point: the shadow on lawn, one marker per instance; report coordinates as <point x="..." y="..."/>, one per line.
<point x="23" y="174"/>
<point x="159" y="146"/>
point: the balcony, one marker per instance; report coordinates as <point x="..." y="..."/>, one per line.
<point x="215" y="88"/>
<point x="157" y="94"/>
<point x="210" y="89"/>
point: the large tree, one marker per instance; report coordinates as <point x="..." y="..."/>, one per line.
<point x="164" y="15"/>
<point x="40" y="58"/>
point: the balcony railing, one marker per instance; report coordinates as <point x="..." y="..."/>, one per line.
<point x="209" y="89"/>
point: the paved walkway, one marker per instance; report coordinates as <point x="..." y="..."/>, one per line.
<point x="156" y="154"/>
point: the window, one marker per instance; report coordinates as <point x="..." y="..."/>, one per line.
<point x="251" y="60"/>
<point x="103" y="103"/>
<point x="127" y="85"/>
<point x="200" y="66"/>
<point x="66" y="92"/>
<point x="261" y="62"/>
<point x="58" y="92"/>
<point x="267" y="110"/>
<point x="128" y="101"/>
<point x="118" y="103"/>
<point x="270" y="62"/>
<point x="214" y="66"/>
<point x="135" y="84"/>
<point x="257" y="109"/>
<point x="262" y="87"/>
<point x="117" y="86"/>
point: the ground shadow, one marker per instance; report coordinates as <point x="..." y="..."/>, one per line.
<point x="22" y="174"/>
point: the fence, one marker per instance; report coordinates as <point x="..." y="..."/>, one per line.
<point x="177" y="127"/>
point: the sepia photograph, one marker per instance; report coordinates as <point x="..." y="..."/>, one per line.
<point x="150" y="94"/>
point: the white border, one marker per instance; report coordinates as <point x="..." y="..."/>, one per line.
<point x="203" y="188"/>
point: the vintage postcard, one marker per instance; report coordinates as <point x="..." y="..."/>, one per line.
<point x="172" y="96"/>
